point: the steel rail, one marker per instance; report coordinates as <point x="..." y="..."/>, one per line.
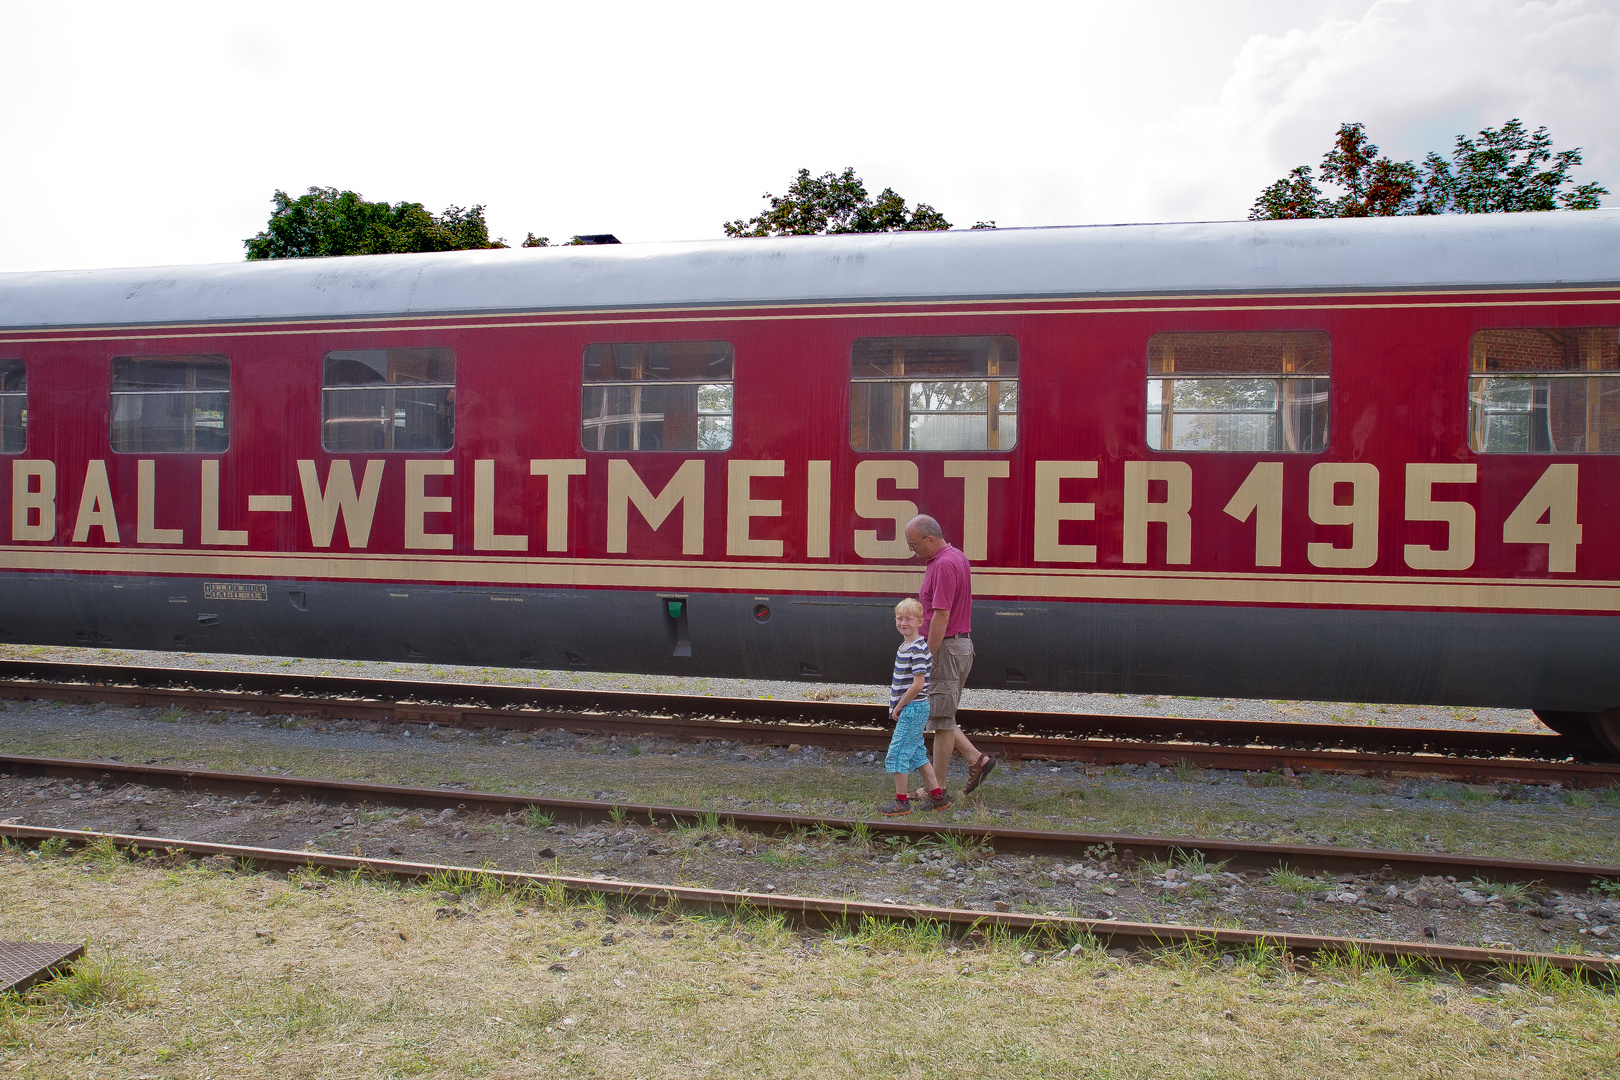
<point x="826" y="912"/>
<point x="1212" y="744"/>
<point x="1250" y="856"/>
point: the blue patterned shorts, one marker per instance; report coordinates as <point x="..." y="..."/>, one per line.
<point x="906" y="750"/>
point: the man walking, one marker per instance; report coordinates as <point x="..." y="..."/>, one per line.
<point x="947" y="600"/>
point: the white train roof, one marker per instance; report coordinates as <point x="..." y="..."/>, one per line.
<point x="1541" y="250"/>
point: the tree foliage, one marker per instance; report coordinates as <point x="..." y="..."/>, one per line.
<point x="327" y="221"/>
<point x="1500" y="171"/>
<point x="836" y="203"/>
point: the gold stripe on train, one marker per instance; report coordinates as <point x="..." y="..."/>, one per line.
<point x="990" y="582"/>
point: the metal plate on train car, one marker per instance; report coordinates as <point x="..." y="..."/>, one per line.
<point x="24" y="963"/>
<point x="235" y="590"/>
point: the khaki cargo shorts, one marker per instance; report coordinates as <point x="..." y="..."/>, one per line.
<point x="951" y="668"/>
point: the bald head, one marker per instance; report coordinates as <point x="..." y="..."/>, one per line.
<point x="925" y="526"/>
<point x="924" y="536"/>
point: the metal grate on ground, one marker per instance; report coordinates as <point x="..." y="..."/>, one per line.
<point x="24" y="963"/>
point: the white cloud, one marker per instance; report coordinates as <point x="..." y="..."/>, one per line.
<point x="1417" y="74"/>
<point x="141" y="135"/>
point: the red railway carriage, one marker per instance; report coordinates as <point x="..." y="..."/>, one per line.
<point x="1363" y="460"/>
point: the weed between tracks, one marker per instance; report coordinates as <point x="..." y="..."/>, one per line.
<point x="195" y="972"/>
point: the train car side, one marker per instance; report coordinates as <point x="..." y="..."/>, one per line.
<point x="1393" y="561"/>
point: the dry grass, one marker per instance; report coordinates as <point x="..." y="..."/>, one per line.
<point x="249" y="976"/>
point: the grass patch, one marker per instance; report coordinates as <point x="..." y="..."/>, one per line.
<point x="95" y="981"/>
<point x="14" y="1026"/>
<point x="53" y="846"/>
<point x="1511" y="892"/>
<point x="966" y="850"/>
<point x="536" y="818"/>
<point x="1292" y="881"/>
<point x="101" y="853"/>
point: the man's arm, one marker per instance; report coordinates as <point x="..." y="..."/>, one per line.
<point x="936" y="629"/>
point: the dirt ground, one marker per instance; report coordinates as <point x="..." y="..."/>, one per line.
<point x="1164" y="801"/>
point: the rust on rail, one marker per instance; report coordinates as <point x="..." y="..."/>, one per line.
<point x="1250" y="746"/>
<point x="1069" y="845"/>
<point x="826" y="912"/>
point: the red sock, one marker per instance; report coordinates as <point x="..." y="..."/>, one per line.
<point x="937" y="793"/>
<point x="902" y="797"/>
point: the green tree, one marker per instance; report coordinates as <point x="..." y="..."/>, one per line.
<point x="1294" y="196"/>
<point x="836" y="203"/>
<point x="327" y="221"/>
<point x="1499" y="172"/>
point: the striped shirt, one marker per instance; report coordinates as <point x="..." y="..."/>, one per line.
<point x="911" y="660"/>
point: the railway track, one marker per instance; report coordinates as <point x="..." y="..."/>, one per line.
<point x="827" y="912"/>
<point x="1472" y="757"/>
<point x="1239" y="855"/>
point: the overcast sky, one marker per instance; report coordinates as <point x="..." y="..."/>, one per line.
<point x="139" y="134"/>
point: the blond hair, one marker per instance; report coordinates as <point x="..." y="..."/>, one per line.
<point x="909" y="606"/>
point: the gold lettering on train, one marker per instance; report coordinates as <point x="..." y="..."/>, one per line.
<point x="211" y="532"/>
<point x="419" y="504"/>
<point x="976" y="477"/>
<point x="1051" y="511"/>
<point x="1343" y="499"/>
<point x="818" y="511"/>
<point x="33" y="510"/>
<point x="1421" y="505"/>
<point x="685" y="489"/>
<point x="1174" y="511"/>
<point x="1360" y="513"/>
<point x="556" y="471"/>
<point x="1552" y="497"/>
<point x="96" y="505"/>
<point x="146" y="529"/>
<point x="898" y="511"/>
<point x="742" y="508"/>
<point x="485" y="538"/>
<point x="339" y="499"/>
<point x="1260" y="496"/>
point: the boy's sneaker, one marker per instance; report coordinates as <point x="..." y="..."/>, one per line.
<point x="895" y="809"/>
<point x="941" y="803"/>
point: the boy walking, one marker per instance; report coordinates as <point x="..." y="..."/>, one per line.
<point x="908" y="708"/>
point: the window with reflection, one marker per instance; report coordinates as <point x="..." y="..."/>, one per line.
<point x="13" y="406"/>
<point x="657" y="395"/>
<point x="388" y="399"/>
<point x="1261" y="392"/>
<point x="934" y="393"/>
<point x="171" y="404"/>
<point x="1545" y="391"/>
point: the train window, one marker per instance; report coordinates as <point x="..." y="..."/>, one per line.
<point x="1545" y="391"/>
<point x="171" y="404"/>
<point x="657" y="395"/>
<point x="388" y="399"/>
<point x="13" y="407"/>
<point x="1263" y="392"/>
<point x="933" y="393"/>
